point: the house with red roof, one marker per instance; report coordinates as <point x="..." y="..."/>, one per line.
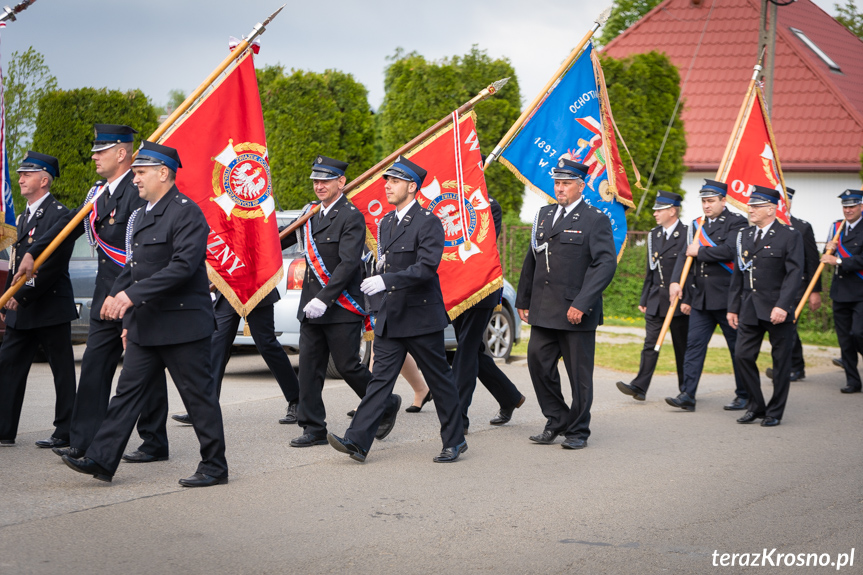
<point x="817" y="108"/>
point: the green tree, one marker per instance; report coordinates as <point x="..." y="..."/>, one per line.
<point x="850" y="17"/>
<point x="27" y="79"/>
<point x="418" y="93"/>
<point x="643" y="90"/>
<point x="625" y="13"/>
<point x="307" y="114"/>
<point x="175" y="98"/>
<point x="64" y="128"/>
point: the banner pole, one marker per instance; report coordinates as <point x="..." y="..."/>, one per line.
<point x="257" y="30"/>
<point x="445" y="121"/>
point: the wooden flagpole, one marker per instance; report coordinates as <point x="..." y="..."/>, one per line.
<point x="257" y="30"/>
<point x="720" y="174"/>
<point x="504" y="142"/>
<point x="464" y="108"/>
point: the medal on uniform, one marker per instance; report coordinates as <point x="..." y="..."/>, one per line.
<point x="676" y="233"/>
<point x="113" y="213"/>
<point x="30" y="239"/>
<point x="655" y="254"/>
<point x="746" y="254"/>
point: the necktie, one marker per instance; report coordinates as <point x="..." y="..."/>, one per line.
<point x="27" y="215"/>
<point x="758" y="235"/>
<point x="557" y="216"/>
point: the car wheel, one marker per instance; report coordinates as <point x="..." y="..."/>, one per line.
<point x="365" y="356"/>
<point x="498" y="338"/>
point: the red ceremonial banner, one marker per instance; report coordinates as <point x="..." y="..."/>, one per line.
<point x="470" y="267"/>
<point x="223" y="148"/>
<point x="753" y="159"/>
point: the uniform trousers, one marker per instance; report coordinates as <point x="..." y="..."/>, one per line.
<point x="679" y="330"/>
<point x="103" y="353"/>
<point x="472" y="361"/>
<point x="16" y="355"/>
<point x="797" y="362"/>
<point x="848" y="319"/>
<point x="189" y="366"/>
<point x="318" y="341"/>
<point x="749" y="338"/>
<point x="430" y="355"/>
<point x="702" y="324"/>
<point x="263" y="329"/>
<point x="545" y="348"/>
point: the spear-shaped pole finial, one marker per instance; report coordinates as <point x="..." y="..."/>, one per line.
<point x="603" y="16"/>
<point x="9" y="13"/>
<point x="260" y="27"/>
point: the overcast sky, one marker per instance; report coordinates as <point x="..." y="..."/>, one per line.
<point x="159" y="45"/>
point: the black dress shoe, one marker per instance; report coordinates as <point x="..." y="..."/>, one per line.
<point x="683" y="401"/>
<point x="630" y="390"/>
<point x="770" y="422"/>
<point x="72" y="452"/>
<point x="547" y="437"/>
<point x="749" y="417"/>
<point x="308" y="440"/>
<point x="505" y="413"/>
<point x="139" y="456"/>
<point x="87" y="466"/>
<point x="356" y="452"/>
<point x="849" y="389"/>
<point x="769" y="372"/>
<point x="798" y="375"/>
<point x="182" y="418"/>
<point x="352" y="413"/>
<point x="418" y="408"/>
<point x="838" y="363"/>
<point x="574" y="443"/>
<point x="291" y="416"/>
<point x="203" y="480"/>
<point x="7" y="443"/>
<point x="52" y="442"/>
<point x="450" y="454"/>
<point x="389" y="419"/>
<point x="737" y="404"/>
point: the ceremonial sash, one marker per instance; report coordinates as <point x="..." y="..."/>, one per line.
<point x="705" y="241"/>
<point x="116" y="255"/>
<point x="843" y="252"/>
<point x="320" y="270"/>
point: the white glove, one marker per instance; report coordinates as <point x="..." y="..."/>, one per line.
<point x="315" y="309"/>
<point x="373" y="285"/>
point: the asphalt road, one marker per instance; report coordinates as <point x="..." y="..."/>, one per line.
<point x="656" y="491"/>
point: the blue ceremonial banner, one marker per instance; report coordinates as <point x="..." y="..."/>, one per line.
<point x="8" y="232"/>
<point x="575" y="122"/>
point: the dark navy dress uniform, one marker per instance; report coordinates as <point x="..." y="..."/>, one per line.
<point x="262" y="327"/>
<point x="104" y="346"/>
<point x="811" y="259"/>
<point x="846" y="291"/>
<point x="339" y="236"/>
<point x="706" y="290"/>
<point x="772" y="278"/>
<point x="411" y="319"/>
<point x="170" y="325"/>
<point x="471" y="359"/>
<point x="46" y="308"/>
<point x="662" y="255"/>
<point x="572" y="270"/>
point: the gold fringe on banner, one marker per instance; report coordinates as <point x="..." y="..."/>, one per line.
<point x="8" y="235"/>
<point x="228" y="292"/>
<point x="471" y="301"/>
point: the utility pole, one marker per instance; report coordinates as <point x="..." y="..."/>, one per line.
<point x="767" y="39"/>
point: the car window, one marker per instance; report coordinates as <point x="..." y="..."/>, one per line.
<point x="83" y="250"/>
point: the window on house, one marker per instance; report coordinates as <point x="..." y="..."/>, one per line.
<point x="818" y="51"/>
